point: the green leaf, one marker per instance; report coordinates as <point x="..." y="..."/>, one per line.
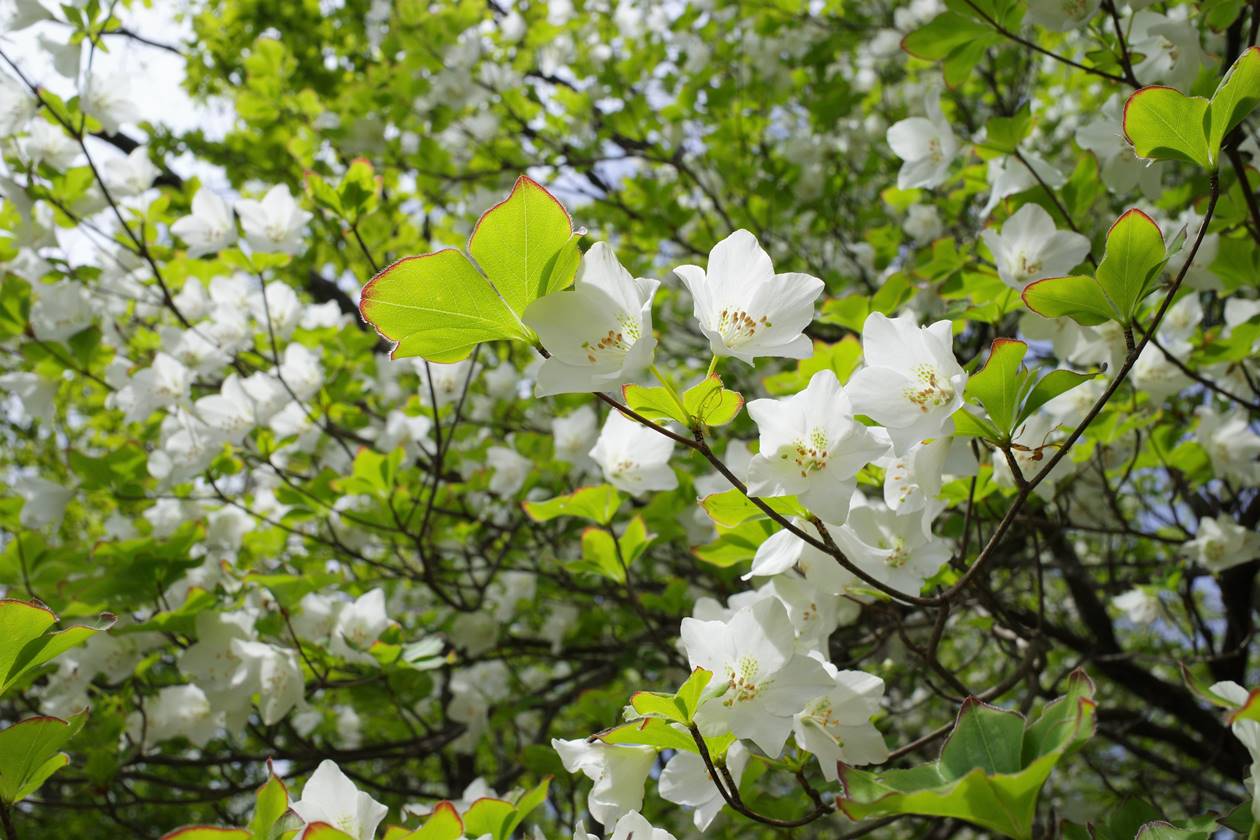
<point x="599" y="555"/>
<point x="30" y="752"/>
<point x="437" y="306"/>
<point x="991" y="769"/>
<point x="735" y="545"/>
<point x="999" y="386"/>
<point x="443" y="824"/>
<point x="1051" y="385"/>
<point x="598" y="503"/>
<point x="1165" y="124"/>
<point x="654" y="402"/>
<point x="1004" y="134"/>
<point x="1078" y="297"/>
<point x="711" y="404"/>
<point x="323" y="831"/>
<point x="1132" y="262"/>
<point x="270" y="803"/>
<point x="25" y="643"/>
<point x="680" y="706"/>
<point x="634" y="540"/>
<point x="489" y="816"/>
<point x="1235" y="97"/>
<point x="842" y="358"/>
<point x="526" y="245"/>
<point x="207" y="832"/>
<point x="967" y="423"/>
<point x="731" y="507"/>
<point x="1164" y="830"/>
<point x="649" y="732"/>
<point x="942" y="35"/>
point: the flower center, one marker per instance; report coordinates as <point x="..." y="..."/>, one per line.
<point x="741" y="681"/>
<point x="822" y="713"/>
<point x="932" y="391"/>
<point x="615" y="340"/>
<point x="810" y="455"/>
<point x="738" y="327"/>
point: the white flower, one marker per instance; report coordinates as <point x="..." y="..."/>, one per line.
<point x="61" y="310"/>
<point x="36" y="393"/>
<point x="765" y="682"/>
<point x="108" y="98"/>
<point x="210" y="228"/>
<point x="45" y="501"/>
<point x="811" y="447"/>
<point x="600" y="334"/>
<point x="1009" y="175"/>
<point x="890" y="548"/>
<point x="1155" y="375"/>
<point x="1138" y="605"/>
<point x="837" y="725"/>
<point x="275" y="223"/>
<point x="617" y="771"/>
<point x="1230" y="442"/>
<point x="178" y="711"/>
<point x="301" y="371"/>
<point x="633" y="457"/>
<point x="1122" y="171"/>
<point x="784" y="550"/>
<point x="132" y="174"/>
<point x="926" y="144"/>
<point x="686" y="781"/>
<point x="911" y="384"/>
<point x="923" y="222"/>
<point x="510" y="470"/>
<point x="330" y="797"/>
<point x="49" y="143"/>
<point x="1030" y="247"/>
<point x="1221" y="544"/>
<point x="1060" y="15"/>
<point x="164" y="384"/>
<point x="17" y="106"/>
<point x="634" y="826"/>
<point x="1170" y="49"/>
<point x="271" y="671"/>
<point x="744" y="308"/>
<point x="574" y="434"/>
<point x="358" y="626"/>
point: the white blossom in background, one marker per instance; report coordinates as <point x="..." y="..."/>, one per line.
<point x="1138" y="605"/>
<point x="1030" y="247"/>
<point x="209" y="228"/>
<point x="766" y="681"/>
<point x="633" y="457"/>
<point x="176" y="711"/>
<point x="60" y="310"/>
<point x="108" y="99"/>
<point x="1231" y="444"/>
<point x="273" y="672"/>
<point x="574" y="434"/>
<point x="510" y="469"/>
<point x="1122" y="170"/>
<point x="164" y="384"/>
<point x="811" y="447"/>
<point x="1061" y="15"/>
<point x="44" y="501"/>
<point x="744" y="308"/>
<point x="783" y="551"/>
<point x="600" y="333"/>
<point x="358" y="625"/>
<point x="1221" y="543"/>
<point x="131" y="175"/>
<point x="330" y="797"/>
<point x="911" y="383"/>
<point x="274" y="223"/>
<point x="1009" y="175"/>
<point x="926" y="144"/>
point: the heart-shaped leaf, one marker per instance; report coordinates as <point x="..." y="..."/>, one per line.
<point x="1235" y="97"/>
<point x="1131" y="264"/>
<point x="1164" y="124"/>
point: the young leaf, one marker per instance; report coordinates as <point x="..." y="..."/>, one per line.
<point x="1235" y="97"/>
<point x="207" y="832"/>
<point x="1051" y="385"/>
<point x="25" y="643"/>
<point x="598" y="503"/>
<point x="526" y="245"/>
<point x="443" y="824"/>
<point x="1078" y="297"/>
<point x="711" y="404"/>
<point x="1132" y="262"/>
<point x="1165" y="124"/>
<point x="999" y="385"/>
<point x="30" y="752"/>
<point x="653" y="402"/>
<point x="270" y="803"/>
<point x="437" y="306"/>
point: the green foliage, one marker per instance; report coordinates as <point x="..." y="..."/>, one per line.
<point x="1010" y="393"/>
<point x="991" y="769"/>
<point x="26" y="644"/>
<point x="30" y="752"/>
